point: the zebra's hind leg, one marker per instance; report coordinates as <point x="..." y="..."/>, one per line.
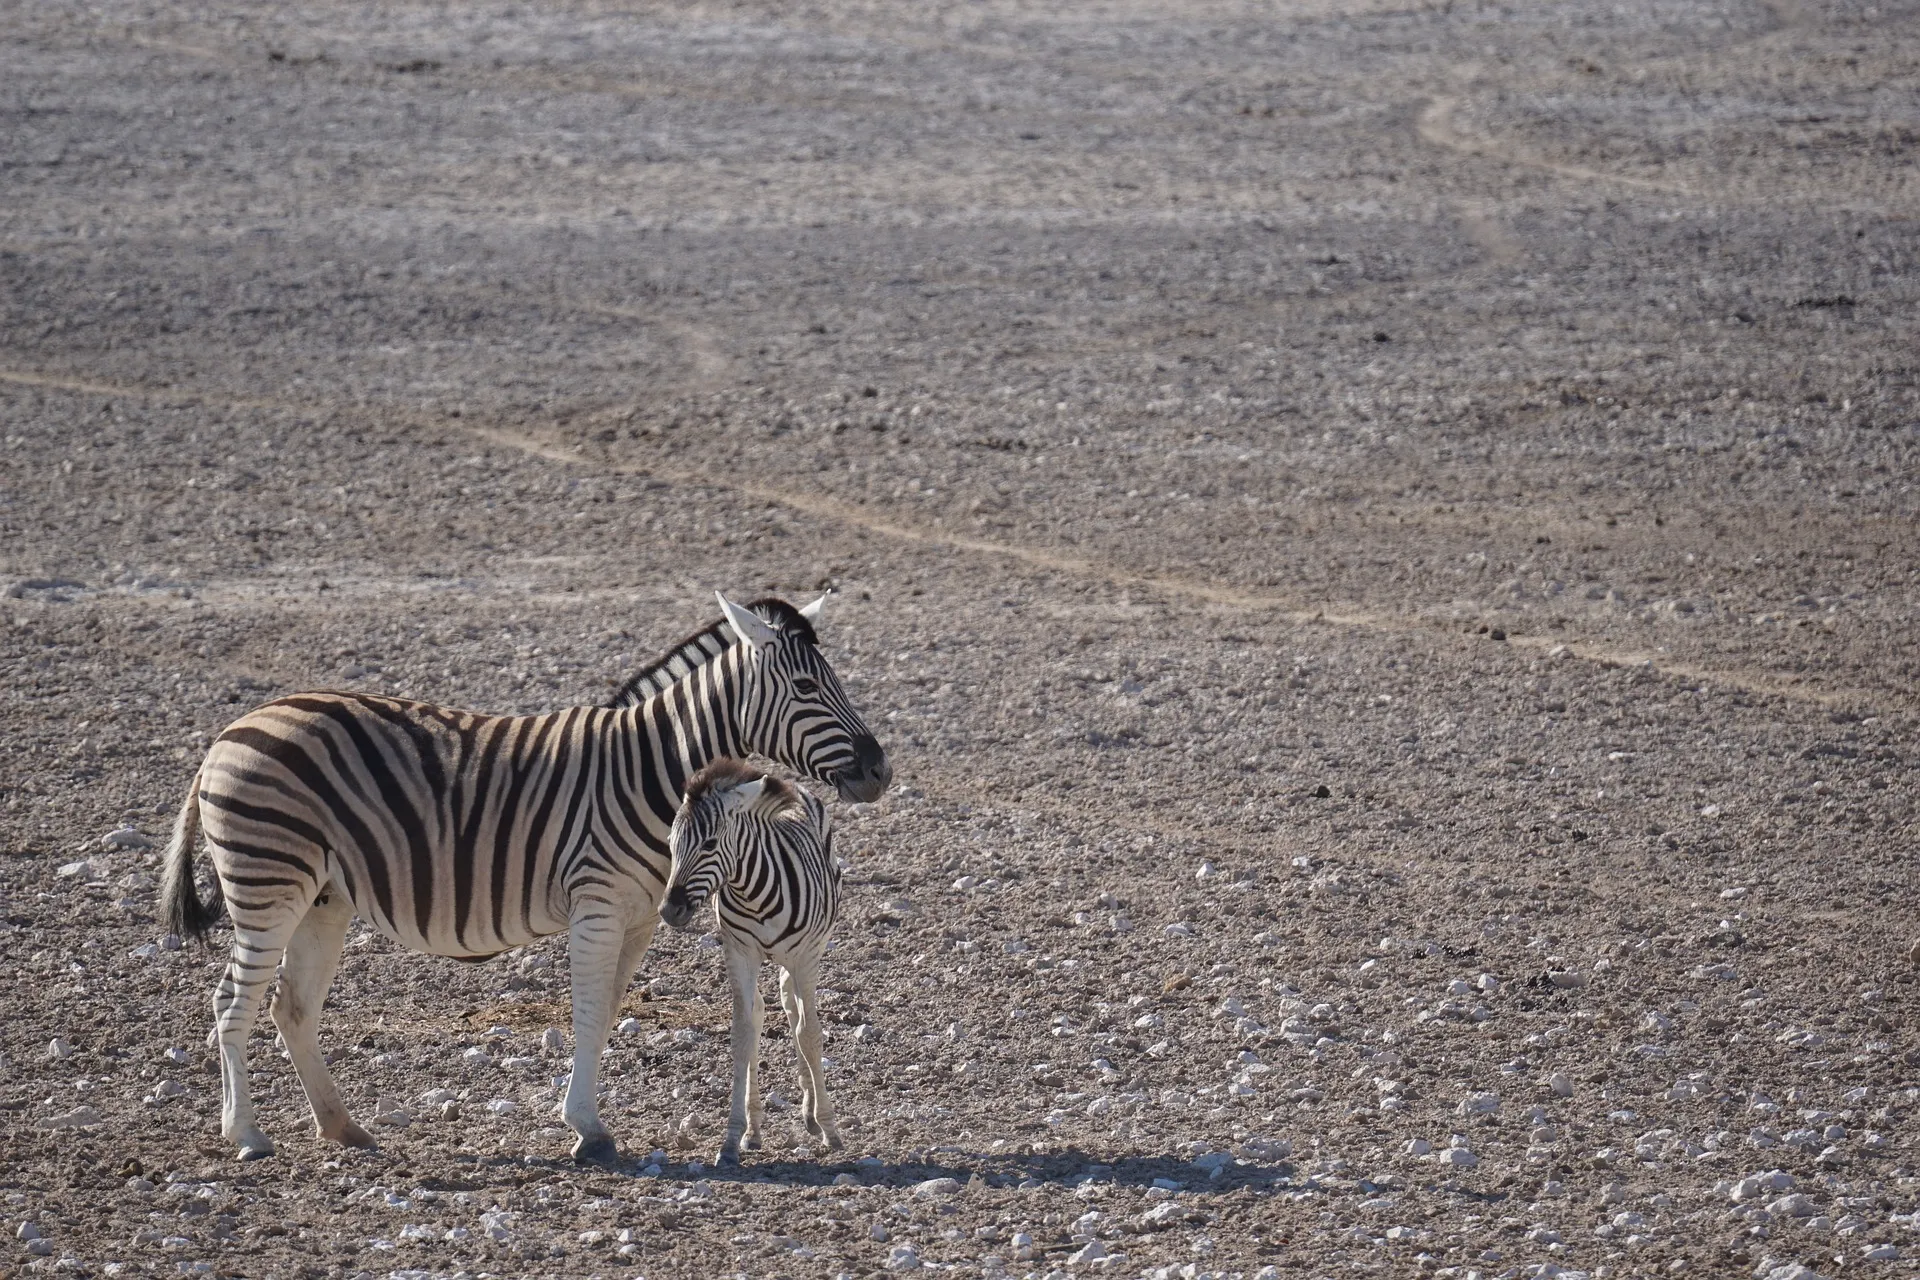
<point x="236" y="1005"/>
<point x="596" y="939"/>
<point x="312" y="958"/>
<point x="803" y="1008"/>
<point x="743" y="972"/>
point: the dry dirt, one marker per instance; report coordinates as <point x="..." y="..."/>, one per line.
<point x="1328" y="501"/>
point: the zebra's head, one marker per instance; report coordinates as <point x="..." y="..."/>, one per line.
<point x="704" y="839"/>
<point x="792" y="706"/>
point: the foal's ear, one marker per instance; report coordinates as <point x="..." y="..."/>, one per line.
<point x="747" y="792"/>
<point x="747" y="624"/>
<point x="811" y="612"/>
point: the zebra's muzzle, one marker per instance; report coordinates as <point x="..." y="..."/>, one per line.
<point x="867" y="778"/>
<point x="677" y="910"/>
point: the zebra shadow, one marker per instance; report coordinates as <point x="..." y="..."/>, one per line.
<point x="925" y="1174"/>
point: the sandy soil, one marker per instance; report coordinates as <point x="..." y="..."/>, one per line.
<point x="1381" y="540"/>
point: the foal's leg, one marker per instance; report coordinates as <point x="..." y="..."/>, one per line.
<point x="743" y="970"/>
<point x="312" y="958"/>
<point x="596" y="938"/>
<point x="818" y="1111"/>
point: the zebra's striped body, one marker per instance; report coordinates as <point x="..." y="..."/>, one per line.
<point x="465" y="835"/>
<point x="762" y="851"/>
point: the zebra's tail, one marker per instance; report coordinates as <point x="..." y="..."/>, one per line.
<point x="186" y="914"/>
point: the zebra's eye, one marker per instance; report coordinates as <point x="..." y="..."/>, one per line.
<point x="806" y="686"/>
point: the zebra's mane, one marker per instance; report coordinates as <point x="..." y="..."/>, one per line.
<point x="703" y="646"/>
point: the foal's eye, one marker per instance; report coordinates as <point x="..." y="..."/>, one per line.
<point x="806" y="686"/>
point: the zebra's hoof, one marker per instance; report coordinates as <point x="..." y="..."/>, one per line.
<point x="596" y="1150"/>
<point x="752" y="1143"/>
<point x="352" y="1135"/>
<point x="833" y="1142"/>
<point x="727" y="1159"/>
<point x="257" y="1151"/>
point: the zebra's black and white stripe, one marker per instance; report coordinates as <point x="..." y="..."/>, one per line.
<point x="761" y="851"/>
<point x="464" y="835"/>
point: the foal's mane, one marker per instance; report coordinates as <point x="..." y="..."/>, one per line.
<point x="703" y="646"/>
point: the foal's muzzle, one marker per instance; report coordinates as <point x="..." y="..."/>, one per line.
<point x="677" y="910"/>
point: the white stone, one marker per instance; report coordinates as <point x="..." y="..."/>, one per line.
<point x="83" y="869"/>
<point x="879" y="1233"/>
<point x="1459" y="1157"/>
<point x="59" y="1049"/>
<point x="630" y="1027"/>
<point x="126" y="838"/>
<point x="1561" y="1085"/>
<point x="1478" y="1104"/>
<point x="936" y="1187"/>
<point x="1091" y="1251"/>
<point x="476" y="1057"/>
<point x="503" y="1106"/>
<point x="1881" y="1253"/>
<point x="903" y="1258"/>
<point x="1566" y="979"/>
<point x="551" y="1041"/>
<point x="78" y="1118"/>
<point x="1419" y="1147"/>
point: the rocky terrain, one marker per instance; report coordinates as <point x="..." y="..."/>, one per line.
<point x="1382" y="542"/>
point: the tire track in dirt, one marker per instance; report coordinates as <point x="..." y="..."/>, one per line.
<point x="1284" y="609"/>
<point x="1435" y="126"/>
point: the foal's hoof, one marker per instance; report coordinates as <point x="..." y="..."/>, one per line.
<point x="596" y="1150"/>
<point x="727" y="1159"/>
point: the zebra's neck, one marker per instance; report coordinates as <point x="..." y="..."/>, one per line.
<point x="681" y="728"/>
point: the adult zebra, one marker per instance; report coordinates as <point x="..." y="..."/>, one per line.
<point x="465" y="835"/>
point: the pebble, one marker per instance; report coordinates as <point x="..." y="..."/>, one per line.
<point x="551" y="1041"/>
<point x="59" y="1049"/>
<point x="878" y="1233"/>
<point x="476" y="1057"/>
<point x="68" y="870"/>
<point x="139" y="1184"/>
<point x="1478" y="1104"/>
<point x="936" y="1187"/>
<point x="1562" y="1086"/>
<point x="630" y="1027"/>
<point x="126" y="838"/>
<point x="1459" y="1157"/>
<point x="27" y="1231"/>
<point x="1419" y="1147"/>
<point x="1567" y="979"/>
<point x="503" y="1106"/>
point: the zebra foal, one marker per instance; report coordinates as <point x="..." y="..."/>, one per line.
<point x="466" y="835"/>
<point x="762" y="851"/>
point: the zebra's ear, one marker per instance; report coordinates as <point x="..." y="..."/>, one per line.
<point x="811" y="612"/>
<point x="747" y="624"/>
<point x="747" y="792"/>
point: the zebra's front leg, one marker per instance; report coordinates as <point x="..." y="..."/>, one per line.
<point x="756" y="1109"/>
<point x="742" y="970"/>
<point x="236" y="1005"/>
<point x="798" y="995"/>
<point x="595" y="941"/>
<point x="312" y="958"/>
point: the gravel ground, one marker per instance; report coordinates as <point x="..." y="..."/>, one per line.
<point x="1381" y="542"/>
